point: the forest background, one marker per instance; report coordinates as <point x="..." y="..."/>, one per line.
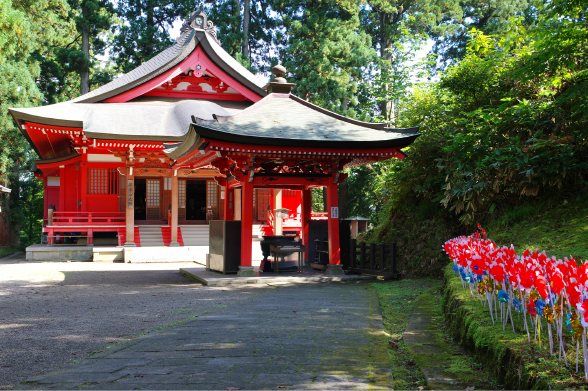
<point x="501" y="98"/>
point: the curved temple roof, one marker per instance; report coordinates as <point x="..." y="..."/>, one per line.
<point x="287" y="120"/>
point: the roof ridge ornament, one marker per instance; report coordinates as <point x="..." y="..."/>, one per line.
<point x="279" y="84"/>
<point x="199" y="20"/>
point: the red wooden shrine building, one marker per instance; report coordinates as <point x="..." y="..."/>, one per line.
<point x="189" y="136"/>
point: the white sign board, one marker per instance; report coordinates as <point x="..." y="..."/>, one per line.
<point x="334" y="212"/>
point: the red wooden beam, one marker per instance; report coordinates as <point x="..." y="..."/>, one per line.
<point x="233" y="149"/>
<point x="196" y="95"/>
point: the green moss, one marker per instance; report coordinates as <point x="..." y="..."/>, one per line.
<point x="397" y="303"/>
<point x="508" y="355"/>
<point x="442" y="356"/>
<point x="6" y="251"/>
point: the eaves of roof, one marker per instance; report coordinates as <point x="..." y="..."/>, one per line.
<point x="399" y="142"/>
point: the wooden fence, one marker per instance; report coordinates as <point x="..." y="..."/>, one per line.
<point x="374" y="259"/>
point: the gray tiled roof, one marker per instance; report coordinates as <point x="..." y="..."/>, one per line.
<point x="285" y="116"/>
<point x="145" y="119"/>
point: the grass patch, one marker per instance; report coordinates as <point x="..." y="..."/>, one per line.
<point x="6" y="251"/>
<point x="558" y="228"/>
<point x="397" y="302"/>
<point x="508" y="356"/>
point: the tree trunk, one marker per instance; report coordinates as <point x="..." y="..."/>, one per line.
<point x="85" y="71"/>
<point x="246" y="19"/>
<point x="387" y="105"/>
<point x="14" y="203"/>
<point x="150" y="48"/>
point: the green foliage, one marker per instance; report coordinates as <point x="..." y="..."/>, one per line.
<point x="326" y="50"/>
<point x="318" y="203"/>
<point x="6" y="251"/>
<point x="452" y="33"/>
<point x="26" y="212"/>
<point x="145" y="29"/>
<point x="366" y="191"/>
<point x="506" y="123"/>
<point x="557" y="225"/>
<point x="26" y="27"/>
<point x="229" y="15"/>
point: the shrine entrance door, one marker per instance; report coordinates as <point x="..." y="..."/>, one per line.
<point x="153" y="199"/>
<point x="140" y="199"/>
<point x="263" y="202"/>
<point x="195" y="200"/>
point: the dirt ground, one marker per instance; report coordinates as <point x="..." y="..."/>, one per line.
<point x="53" y="314"/>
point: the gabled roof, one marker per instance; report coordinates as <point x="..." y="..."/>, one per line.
<point x="171" y="57"/>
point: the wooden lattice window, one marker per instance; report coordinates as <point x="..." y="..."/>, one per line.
<point x="102" y="181"/>
<point x="181" y="194"/>
<point x="167" y="183"/>
<point x="152" y="193"/>
<point x="211" y="193"/>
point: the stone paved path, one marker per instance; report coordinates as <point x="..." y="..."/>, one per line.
<point x="307" y="336"/>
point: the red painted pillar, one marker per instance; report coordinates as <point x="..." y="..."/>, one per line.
<point x="333" y="216"/>
<point x="246" y="225"/>
<point x="84" y="183"/>
<point x="306" y="216"/>
<point x="130" y="209"/>
<point x="61" y="189"/>
<point x="229" y="202"/>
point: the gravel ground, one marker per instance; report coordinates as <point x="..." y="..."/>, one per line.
<point x="53" y="314"/>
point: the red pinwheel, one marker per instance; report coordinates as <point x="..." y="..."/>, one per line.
<point x="478" y="265"/>
<point x="557" y="283"/>
<point x="531" y="309"/>
<point x="497" y="273"/>
<point x="527" y="279"/>
<point x="540" y="284"/>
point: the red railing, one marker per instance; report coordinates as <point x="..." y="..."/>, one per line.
<point x="319" y="216"/>
<point x="88" y="218"/>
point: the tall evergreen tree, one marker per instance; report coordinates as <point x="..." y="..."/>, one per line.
<point x="326" y="51"/>
<point x="93" y="18"/>
<point x="145" y="29"/>
<point x="25" y="28"/>
<point x="394" y="26"/>
<point x="246" y="30"/>
<point x="451" y="35"/>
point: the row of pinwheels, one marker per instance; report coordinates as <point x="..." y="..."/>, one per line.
<point x="537" y="287"/>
